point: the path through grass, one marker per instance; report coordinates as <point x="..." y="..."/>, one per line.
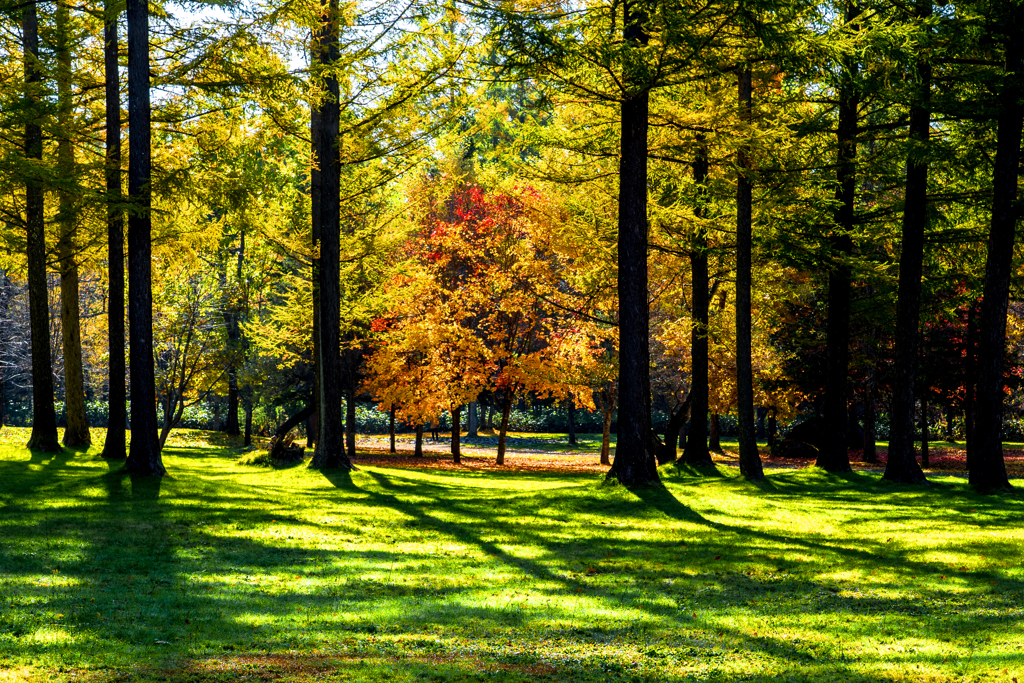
<point x="221" y="572"/>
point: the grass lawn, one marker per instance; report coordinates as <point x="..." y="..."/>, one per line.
<point x="226" y="572"/>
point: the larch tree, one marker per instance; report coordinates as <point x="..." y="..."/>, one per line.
<point x="44" y="417"/>
<point x="144" y="453"/>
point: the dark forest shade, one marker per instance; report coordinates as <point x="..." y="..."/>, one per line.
<point x="901" y="465"/>
<point x="330" y="446"/>
<point x="695" y="451"/>
<point x="144" y="454"/>
<point x="44" y="417"/>
<point x="114" y="445"/>
<point x="750" y="460"/>
<point x="987" y="468"/>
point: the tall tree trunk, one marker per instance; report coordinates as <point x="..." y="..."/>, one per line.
<point x="144" y="454"/>
<point x="715" y="435"/>
<point x="834" y="457"/>
<point x="506" y="410"/>
<point x="988" y="470"/>
<point x="391" y="429"/>
<point x="44" y="417"/>
<point x="695" y="451"/>
<point x="115" y="443"/>
<point x="5" y="298"/>
<point x="676" y="421"/>
<point x="949" y="436"/>
<point x="456" y="434"/>
<point x="750" y="459"/>
<point x="901" y="465"/>
<point x="76" y="435"/>
<point x="330" y="446"/>
<point x="634" y="462"/>
<point x="418" y="452"/>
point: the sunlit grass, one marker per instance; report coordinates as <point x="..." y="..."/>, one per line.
<point x="390" y="574"/>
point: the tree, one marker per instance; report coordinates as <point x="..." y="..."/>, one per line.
<point x="988" y="471"/>
<point x="44" y="417"/>
<point x="114" y="445"/>
<point x="144" y="454"/>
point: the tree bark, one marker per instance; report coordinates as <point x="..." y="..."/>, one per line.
<point x="634" y="464"/>
<point x="714" y="437"/>
<point x="901" y="465"/>
<point x="456" y="434"/>
<point x="506" y="410"/>
<point x="834" y="457"/>
<point x="750" y="459"/>
<point x="471" y="427"/>
<point x="144" y="454"/>
<point x="44" y="416"/>
<point x="677" y="419"/>
<point x="391" y="429"/>
<point x="290" y="424"/>
<point x="247" y="439"/>
<point x="330" y="447"/>
<point x="418" y="452"/>
<point x="607" y="408"/>
<point x="695" y="451"/>
<point x="115" y="443"/>
<point x="76" y="434"/>
<point x="970" y="382"/>
<point x="572" y="422"/>
<point x="350" y="413"/>
<point x="988" y="470"/>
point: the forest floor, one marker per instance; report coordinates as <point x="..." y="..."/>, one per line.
<point x="225" y="572"/>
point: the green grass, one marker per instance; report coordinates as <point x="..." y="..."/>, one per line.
<point x="225" y="572"/>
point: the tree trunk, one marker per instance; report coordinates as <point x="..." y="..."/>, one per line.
<point x="330" y="447"/>
<point x="312" y="425"/>
<point x="418" y="452"/>
<point x="773" y="428"/>
<point x="391" y="429"/>
<point x="350" y="407"/>
<point x="44" y="417"/>
<point x="231" y="425"/>
<point x="290" y="424"/>
<point x="5" y="298"/>
<point x="714" y="438"/>
<point x="572" y="422"/>
<point x="988" y="470"/>
<point x="676" y="420"/>
<point x="115" y="443"/>
<point x="472" y="426"/>
<point x="695" y="451"/>
<point x="248" y="420"/>
<point x="750" y="459"/>
<point x="950" y="436"/>
<point x="607" y="408"/>
<point x="834" y="457"/>
<point x="144" y="454"/>
<point x="456" y="434"/>
<point x="76" y="434"/>
<point x="506" y="410"/>
<point x="901" y="465"/>
<point x="634" y="464"/>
